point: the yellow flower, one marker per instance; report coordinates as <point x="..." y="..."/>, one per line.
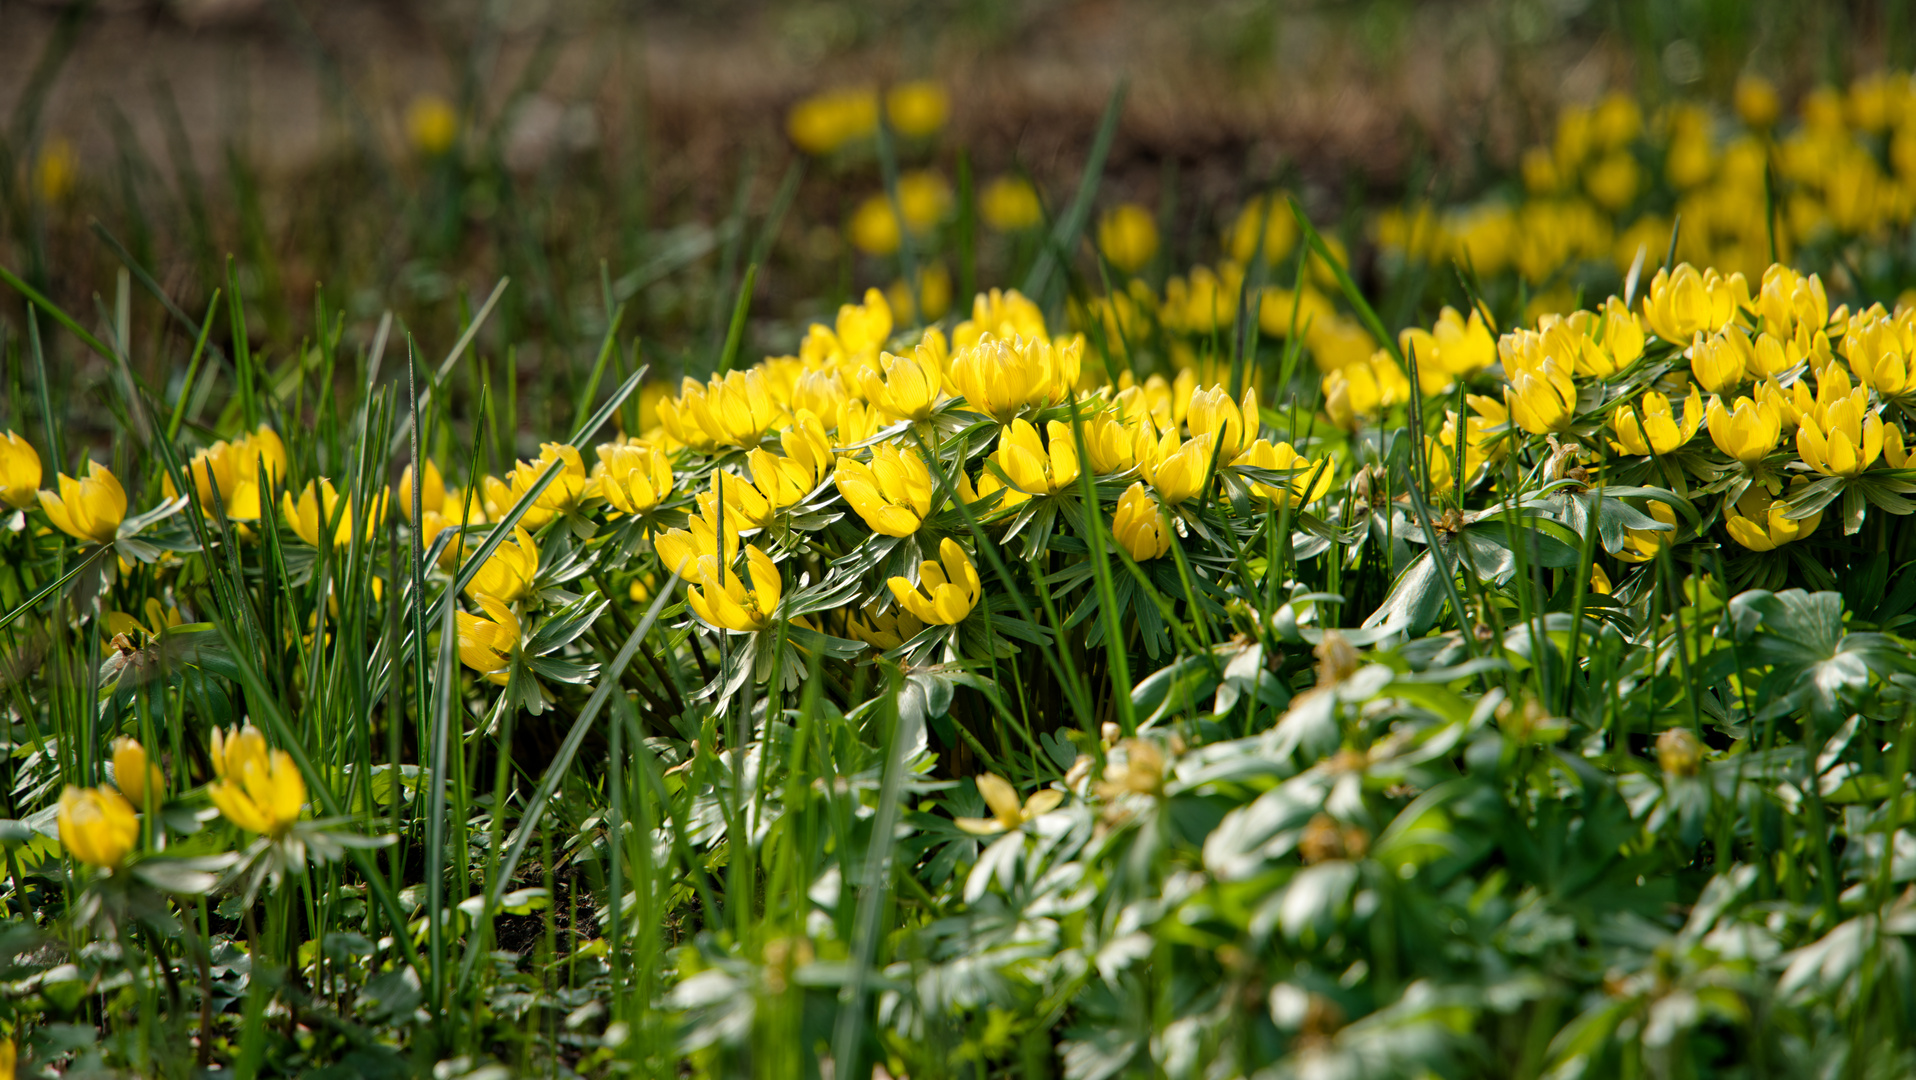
<point x="508" y="575"/>
<point x="1614" y="180"/>
<point x="1656" y="431"/>
<point x="917" y="109"/>
<point x="317" y="505"/>
<point x="432" y="126"/>
<point x="906" y="387"/>
<point x="1140" y="525"/>
<point x="258" y="789"/>
<point x="893" y="494"/>
<point x="1001" y="377"/>
<point x="89" y="509"/>
<point x="1762" y="523"/>
<point x="1266" y="216"/>
<point x="825" y="122"/>
<point x="134" y="775"/>
<point x="1128" y="236"/>
<point x="1362" y="391"/>
<point x="1756" y="101"/>
<point x="883" y="630"/>
<point x="1234" y="422"/>
<point x="19" y="471"/>
<point x="1113" y="445"/>
<point x="944" y="594"/>
<point x="234" y="471"/>
<point x="722" y="599"/>
<point x="1683" y="304"/>
<point x="1010" y="204"/>
<point x="487" y="645"/>
<point x="1843" y="436"/>
<point x="680" y="549"/>
<point x="1749" y="433"/>
<point x="734" y="409"/>
<point x="1030" y="466"/>
<point x="934" y="294"/>
<point x="1542" y="399"/>
<point x="1000" y="313"/>
<point x="1006" y="812"/>
<point x="785" y="481"/>
<point x="1299" y="489"/>
<point x="1180" y="471"/>
<point x="97" y="826"/>
<point x="1451" y="349"/>
<point x="56" y="169"/>
<point x="1879" y="354"/>
<point x="634" y="477"/>
<point x="1722" y="361"/>
<point x="566" y="495"/>
<point x="432" y="494"/>
<point x="1787" y="301"/>
<point x="923" y="200"/>
<point x="1642" y="545"/>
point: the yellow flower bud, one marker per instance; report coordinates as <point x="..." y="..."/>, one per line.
<point x="1656" y="431"/>
<point x="487" y="645"/>
<point x="134" y="775"/>
<point x="1139" y="524"/>
<point x="19" y="471"/>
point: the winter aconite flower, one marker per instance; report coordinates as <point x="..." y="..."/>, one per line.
<point x="320" y="504"/>
<point x="19" y="471"/>
<point x="134" y="775"/>
<point x="1181" y="471"/>
<point x="487" y="645"/>
<point x="258" y="788"/>
<point x="432" y="493"/>
<point x="1002" y="377"/>
<point x="234" y="476"/>
<point x="508" y="575"/>
<point x="1278" y="457"/>
<point x="1010" y="204"/>
<point x="1748" y="433"/>
<point x="1032" y="467"/>
<point x="1006" y="811"/>
<point x="1234" y="422"/>
<point x="634" y="478"/>
<point x="1762" y="523"/>
<point x="1139" y="524"/>
<point x="1656" y="430"/>
<point x="1128" y="237"/>
<point x="1842" y="436"/>
<point x="97" y="826"/>
<point x="893" y="494"/>
<point x="946" y="593"/>
<point x="723" y="599"/>
<point x="91" y="509"/>
<point x="906" y="387"/>
<point x="1683" y="303"/>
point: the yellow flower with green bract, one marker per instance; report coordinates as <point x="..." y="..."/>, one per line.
<point x="89" y="509"/>
<point x="947" y="590"/>
<point x="257" y="788"/>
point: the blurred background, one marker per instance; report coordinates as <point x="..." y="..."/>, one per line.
<point x="353" y="157"/>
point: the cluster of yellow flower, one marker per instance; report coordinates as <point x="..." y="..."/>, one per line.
<point x="1612" y="186"/>
<point x="255" y="787"/>
<point x="763" y="451"/>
